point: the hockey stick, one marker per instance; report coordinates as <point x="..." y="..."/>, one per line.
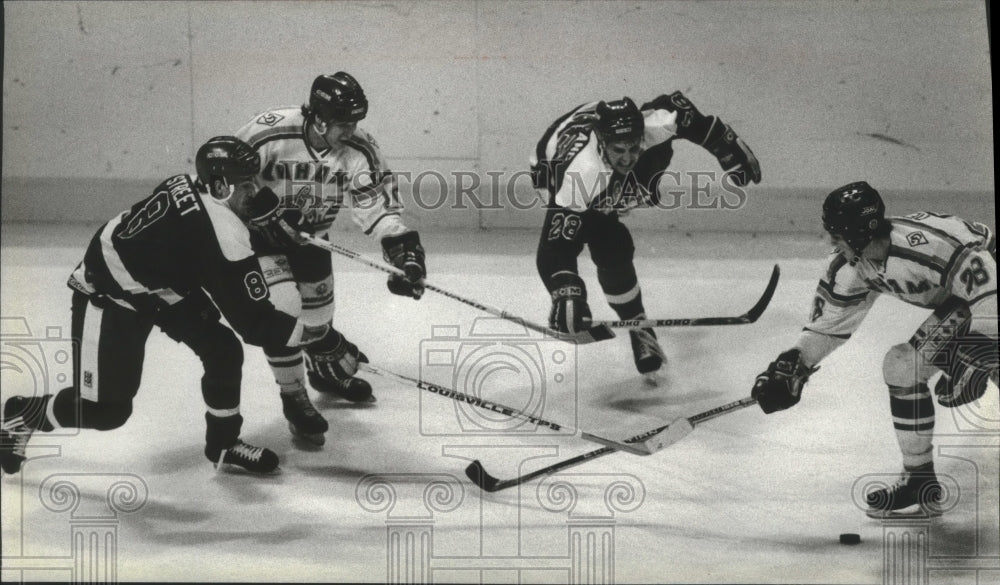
<point x="665" y="437"/>
<point x="637" y="447"/>
<point x="749" y="317"/>
<point x="596" y="333"/>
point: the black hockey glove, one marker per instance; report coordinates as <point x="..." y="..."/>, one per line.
<point x="406" y="253"/>
<point x="570" y="313"/>
<point x="278" y="226"/>
<point x="334" y="358"/>
<point x="734" y="155"/>
<point x="967" y="362"/>
<point x="780" y="387"/>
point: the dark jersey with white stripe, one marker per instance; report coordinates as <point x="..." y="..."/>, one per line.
<point x="170" y="245"/>
<point x="932" y="257"/>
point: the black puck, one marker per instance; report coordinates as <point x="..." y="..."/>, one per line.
<point x="850" y="538"/>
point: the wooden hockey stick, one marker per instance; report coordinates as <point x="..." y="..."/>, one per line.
<point x="749" y="317"/>
<point x="661" y="436"/>
<point x="595" y="333"/>
<point x="637" y="447"/>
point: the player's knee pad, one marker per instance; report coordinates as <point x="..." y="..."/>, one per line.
<point x="111" y="415"/>
<point x="317" y="301"/>
<point x="900" y="367"/>
<point x="284" y="294"/>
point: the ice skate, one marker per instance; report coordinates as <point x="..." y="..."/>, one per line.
<point x="303" y="418"/>
<point x="245" y="457"/>
<point x="14" y="435"/>
<point x="648" y="355"/>
<point x="917" y="493"/>
<point x="350" y="389"/>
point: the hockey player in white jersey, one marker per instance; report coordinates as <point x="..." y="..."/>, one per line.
<point x="930" y="260"/>
<point x="317" y="159"/>
<point x="596" y="162"/>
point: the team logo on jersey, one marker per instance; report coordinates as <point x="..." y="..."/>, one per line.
<point x="270" y="119"/>
<point x="916" y="238"/>
<point x="88" y="378"/>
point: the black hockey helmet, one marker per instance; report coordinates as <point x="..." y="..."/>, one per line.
<point x="619" y="120"/>
<point x="338" y="97"/>
<point x="856" y="213"/>
<point x="227" y="158"/>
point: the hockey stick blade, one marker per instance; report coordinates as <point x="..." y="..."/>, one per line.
<point x="478" y="475"/>
<point x="655" y="439"/>
<point x="749" y="317"/>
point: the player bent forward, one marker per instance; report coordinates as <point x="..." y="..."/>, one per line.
<point x="925" y="259"/>
<point x="153" y="265"/>
<point x="596" y="163"/>
<point x="314" y="158"/>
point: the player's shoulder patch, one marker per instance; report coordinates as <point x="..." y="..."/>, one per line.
<point x="269" y="118"/>
<point x="916" y="238"/>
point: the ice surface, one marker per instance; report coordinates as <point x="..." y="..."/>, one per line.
<point x="745" y="498"/>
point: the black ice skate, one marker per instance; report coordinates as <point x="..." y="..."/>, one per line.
<point x="351" y="389"/>
<point x="303" y="418"/>
<point x="246" y="457"/>
<point x="648" y="354"/>
<point x="14" y="435"/>
<point x="917" y="493"/>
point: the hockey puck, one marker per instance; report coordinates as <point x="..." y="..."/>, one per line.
<point x="850" y="538"/>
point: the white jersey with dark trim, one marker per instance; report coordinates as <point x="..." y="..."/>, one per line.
<point x="319" y="181"/>
<point x="581" y="174"/>
<point x="931" y="258"/>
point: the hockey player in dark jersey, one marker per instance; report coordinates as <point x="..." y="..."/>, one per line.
<point x="169" y="262"/>
<point x="926" y="259"/>
<point x="316" y="158"/>
<point x="595" y="163"/>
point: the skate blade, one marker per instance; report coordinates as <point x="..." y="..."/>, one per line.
<point x="318" y="439"/>
<point x="914" y="512"/>
<point x="233" y="469"/>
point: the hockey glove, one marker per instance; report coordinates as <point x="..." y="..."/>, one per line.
<point x="334" y="358"/>
<point x="780" y="387"/>
<point x="972" y="357"/>
<point x="734" y="155"/>
<point x="570" y="313"/>
<point x="279" y="226"/>
<point x="406" y="253"/>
